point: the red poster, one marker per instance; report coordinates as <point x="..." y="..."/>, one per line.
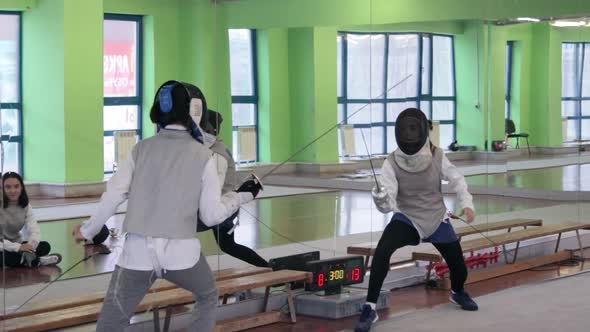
<point x="119" y="69"/>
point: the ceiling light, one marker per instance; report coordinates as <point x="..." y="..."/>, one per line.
<point x="567" y="24"/>
<point x="528" y="19"/>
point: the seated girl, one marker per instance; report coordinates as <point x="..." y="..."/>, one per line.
<point x="20" y="234"/>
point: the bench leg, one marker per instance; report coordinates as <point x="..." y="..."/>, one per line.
<point x="291" y="303"/>
<point x="557" y="244"/>
<point x="581" y="247"/>
<point x="266" y="295"/>
<point x="515" y="252"/>
<point x="156" y="319"/>
<point x="504" y="252"/>
<point x="428" y="270"/>
<point x="167" y="319"/>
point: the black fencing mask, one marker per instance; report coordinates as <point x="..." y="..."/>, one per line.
<point x="411" y="131"/>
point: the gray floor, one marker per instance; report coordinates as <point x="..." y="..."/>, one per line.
<point x="557" y="305"/>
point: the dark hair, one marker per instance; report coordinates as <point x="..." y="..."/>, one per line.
<point x="23" y="200"/>
<point x="180" y="110"/>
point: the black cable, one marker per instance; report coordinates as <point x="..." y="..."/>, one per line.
<point x="330" y="129"/>
<point x="288" y="238"/>
<point x="102" y="252"/>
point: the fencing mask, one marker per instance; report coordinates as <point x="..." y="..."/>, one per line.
<point x="210" y="123"/>
<point x="175" y="99"/>
<point x="411" y="131"/>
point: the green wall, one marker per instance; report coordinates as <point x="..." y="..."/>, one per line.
<point x="43" y="93"/>
<point x="187" y="40"/>
<point x="306" y="13"/>
<point x="274" y="98"/>
<point x="62" y="91"/>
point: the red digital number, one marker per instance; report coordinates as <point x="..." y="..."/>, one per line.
<point x="356" y="274"/>
<point x="321" y="279"/>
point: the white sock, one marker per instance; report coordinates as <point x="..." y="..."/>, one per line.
<point x="373" y="305"/>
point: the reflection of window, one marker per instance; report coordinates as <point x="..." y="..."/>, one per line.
<point x="242" y="47"/>
<point x="508" y="78"/>
<point x="10" y="90"/>
<point x="575" y="89"/>
<point x="406" y="70"/>
<point x="122" y="80"/>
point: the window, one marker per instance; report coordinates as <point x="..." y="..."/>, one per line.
<point x="242" y="47"/>
<point x="575" y="90"/>
<point x="406" y="70"/>
<point x="10" y="90"/>
<point x="122" y="81"/>
<point x="508" y="78"/>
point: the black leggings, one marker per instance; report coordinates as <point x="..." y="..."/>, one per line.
<point x="398" y="234"/>
<point x="14" y="259"/>
<point x="227" y="243"/>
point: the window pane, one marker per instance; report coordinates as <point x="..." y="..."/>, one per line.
<point x="402" y="66"/>
<point x="365" y="66"/>
<point x="376" y="143"/>
<point x="586" y="73"/>
<point x="240" y="58"/>
<point x="507" y="79"/>
<point x="585" y="107"/>
<point x="9" y="58"/>
<point x="359" y="144"/>
<point x="120" y="117"/>
<point x="391" y="142"/>
<point x="235" y="145"/>
<point x="120" y="58"/>
<point x="568" y="108"/>
<point x="443" y="110"/>
<point x="340" y="113"/>
<point x="572" y="130"/>
<point x="426" y="65"/>
<point x="109" y="153"/>
<point x="340" y="150"/>
<point x="11" y="162"/>
<point x="10" y="122"/>
<point x="570" y="57"/>
<point x="339" y="64"/>
<point x="442" y="63"/>
<point x="243" y="114"/>
<point x="365" y="114"/>
<point x="394" y="109"/>
<point x="425" y="107"/>
<point x="446" y="135"/>
<point x="585" y="129"/>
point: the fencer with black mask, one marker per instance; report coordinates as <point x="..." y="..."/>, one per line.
<point x="169" y="181"/>
<point x="411" y="183"/>
<point x="228" y="179"/>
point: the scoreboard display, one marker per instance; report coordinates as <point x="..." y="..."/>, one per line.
<point x="331" y="274"/>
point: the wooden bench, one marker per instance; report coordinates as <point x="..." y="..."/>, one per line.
<point x="433" y="256"/>
<point x="98" y="297"/>
<point x="368" y="249"/>
<point x="168" y="299"/>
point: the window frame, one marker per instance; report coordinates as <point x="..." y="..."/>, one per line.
<point x="137" y="100"/>
<point x="578" y="99"/>
<point x="384" y="100"/>
<point x="19" y="104"/>
<point x="508" y="79"/>
<point x="249" y="99"/>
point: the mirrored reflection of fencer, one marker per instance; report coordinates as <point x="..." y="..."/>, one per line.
<point x="226" y="170"/>
<point x="169" y="180"/>
<point x="411" y="189"/>
<point x="20" y="234"/>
